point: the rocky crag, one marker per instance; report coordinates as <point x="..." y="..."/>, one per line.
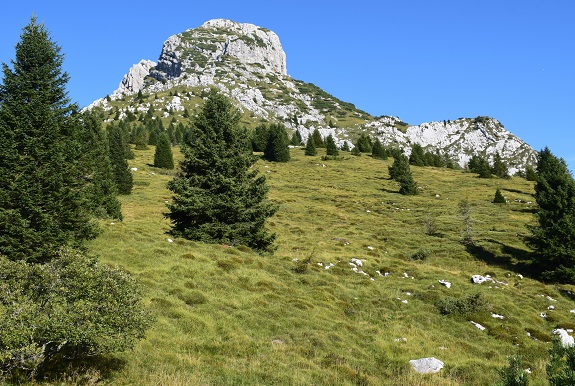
<point x="248" y="64"/>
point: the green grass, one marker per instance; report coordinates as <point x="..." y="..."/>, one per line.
<point x="228" y="316"/>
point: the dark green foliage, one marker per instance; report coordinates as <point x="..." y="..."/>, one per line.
<point x="163" y="157"/>
<point x="317" y="139"/>
<point x="219" y="197"/>
<point x="400" y="172"/>
<point x="100" y="187"/>
<point x="417" y="156"/>
<point x="118" y="158"/>
<point x="141" y="138"/>
<point x="310" y="148"/>
<point x="260" y="137"/>
<point x="42" y="200"/>
<point x="364" y="143"/>
<point x="71" y="307"/>
<point x="561" y="366"/>
<point x="463" y="306"/>
<point x="499" y="167"/>
<point x="553" y="237"/>
<point x="277" y="148"/>
<point x="355" y="151"/>
<point x="514" y="375"/>
<point x="530" y="174"/>
<point x="478" y="164"/>
<point x="296" y="139"/>
<point x="420" y="254"/>
<point x="499" y="198"/>
<point x="330" y="146"/>
<point x="345" y="146"/>
<point x="378" y="151"/>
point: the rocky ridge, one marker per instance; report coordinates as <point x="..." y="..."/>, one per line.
<point x="247" y="63"/>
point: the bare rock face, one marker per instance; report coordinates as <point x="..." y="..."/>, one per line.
<point x="247" y="64"/>
<point x="134" y="80"/>
<point x="216" y="41"/>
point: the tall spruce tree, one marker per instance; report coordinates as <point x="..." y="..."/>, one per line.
<point x="400" y="172"/>
<point x="163" y="157"/>
<point x="499" y="167"/>
<point x="42" y="200"/>
<point x="218" y="196"/>
<point x="553" y="237"/>
<point x="277" y="148"/>
<point x="95" y="162"/>
<point x="417" y="156"/>
<point x="330" y="146"/>
<point x="364" y="143"/>
<point x="310" y="148"/>
<point x="260" y="137"/>
<point x="296" y="139"/>
<point x="317" y="138"/>
<point x="119" y="159"/>
<point x="378" y="151"/>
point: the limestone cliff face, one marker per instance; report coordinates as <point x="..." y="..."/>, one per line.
<point x="134" y="80"/>
<point x="248" y="64"/>
<point x="196" y="50"/>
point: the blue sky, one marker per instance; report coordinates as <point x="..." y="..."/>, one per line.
<point x="420" y="60"/>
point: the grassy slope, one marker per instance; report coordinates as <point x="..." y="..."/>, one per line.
<point x="230" y="316"/>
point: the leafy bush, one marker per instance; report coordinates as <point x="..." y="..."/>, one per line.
<point x="421" y="254"/>
<point x="69" y="308"/>
<point x="561" y="366"/>
<point x="462" y="306"/>
<point x="514" y="375"/>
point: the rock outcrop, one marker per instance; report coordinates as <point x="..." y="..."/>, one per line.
<point x="134" y="80"/>
<point x="248" y="64"/>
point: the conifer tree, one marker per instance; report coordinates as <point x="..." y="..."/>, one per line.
<point x="498" y="198"/>
<point x="118" y="158"/>
<point x="260" y="137"/>
<point x="317" y="139"/>
<point x="277" y="148"/>
<point x="330" y="146"/>
<point x="345" y="146"/>
<point x="478" y="164"/>
<point x="364" y="143"/>
<point x="218" y="196"/>
<point x="296" y="139"/>
<point x="42" y="201"/>
<point x="378" y="151"/>
<point x="499" y="167"/>
<point x="530" y="174"/>
<point x="95" y="162"/>
<point x="417" y="156"/>
<point x="400" y="172"/>
<point x="553" y="237"/>
<point x="310" y="148"/>
<point x="163" y="157"/>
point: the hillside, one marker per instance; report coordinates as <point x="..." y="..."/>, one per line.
<point x="248" y="64"/>
<point x="305" y="315"/>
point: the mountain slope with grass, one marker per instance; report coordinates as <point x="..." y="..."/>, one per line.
<point x="354" y="290"/>
<point x="248" y="64"/>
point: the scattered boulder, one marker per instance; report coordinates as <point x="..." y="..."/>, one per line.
<point x="426" y="365"/>
<point x="566" y="339"/>
<point x="445" y="283"/>
<point x="479" y="326"/>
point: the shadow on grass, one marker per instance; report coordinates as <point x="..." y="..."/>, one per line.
<point x="91" y="370"/>
<point x="510" y="258"/>
<point x="517" y="191"/>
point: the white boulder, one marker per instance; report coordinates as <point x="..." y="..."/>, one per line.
<point x="426" y="365"/>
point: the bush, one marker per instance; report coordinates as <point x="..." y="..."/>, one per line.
<point x="69" y="308"/>
<point x="514" y="375"/>
<point x="499" y="198"/>
<point x="462" y="306"/>
<point x="421" y="254"/>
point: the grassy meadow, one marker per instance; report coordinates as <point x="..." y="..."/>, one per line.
<point x="228" y="316"/>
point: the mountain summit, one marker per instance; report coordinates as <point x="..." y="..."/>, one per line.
<point x="247" y="63"/>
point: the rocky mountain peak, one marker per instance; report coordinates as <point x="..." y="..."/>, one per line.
<point x="200" y="49"/>
<point x="247" y="63"/>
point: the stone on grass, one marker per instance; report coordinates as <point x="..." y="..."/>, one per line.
<point x="445" y="283"/>
<point x="566" y="339"/>
<point x="426" y="365"/>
